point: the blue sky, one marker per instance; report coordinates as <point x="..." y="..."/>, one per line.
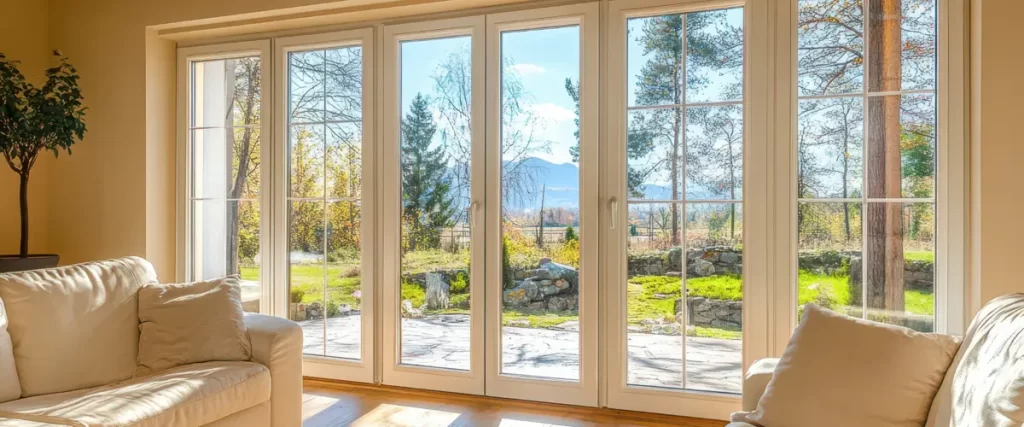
<point x="542" y="60"/>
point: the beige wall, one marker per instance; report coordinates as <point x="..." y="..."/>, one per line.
<point x="1001" y="147"/>
<point x="24" y="37"/>
<point x="103" y="206"/>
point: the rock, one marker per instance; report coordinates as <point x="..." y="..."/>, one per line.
<point x="560" y="303"/>
<point x="548" y="290"/>
<point x="437" y="292"/>
<point x="674" y="274"/>
<point x="561" y="284"/>
<point x="536" y="306"/>
<point x="562" y="272"/>
<point x="410" y="312"/>
<point x="521" y="295"/>
<point x="729" y="257"/>
<point x="675" y="258"/>
<point x="314" y="310"/>
<point x="540" y="273"/>
<point x="542" y="282"/>
<point x="543" y="261"/>
<point x="344" y="309"/>
<point x="703" y="268"/>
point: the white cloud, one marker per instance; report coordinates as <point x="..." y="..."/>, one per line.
<point x="526" y="69"/>
<point x="547" y="111"/>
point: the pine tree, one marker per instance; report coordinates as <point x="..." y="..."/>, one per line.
<point x="427" y="207"/>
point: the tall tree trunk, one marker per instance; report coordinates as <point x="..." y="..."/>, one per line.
<point x="23" y="199"/>
<point x="846" y="172"/>
<point x="884" y="246"/>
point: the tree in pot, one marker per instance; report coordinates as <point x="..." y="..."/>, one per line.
<point x="34" y="120"/>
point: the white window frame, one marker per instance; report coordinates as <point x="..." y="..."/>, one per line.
<point x="756" y="197"/>
<point x="952" y="158"/>
<point x="361" y="370"/>
<point x="584" y="391"/>
<point x="184" y="167"/>
<point x="393" y="372"/>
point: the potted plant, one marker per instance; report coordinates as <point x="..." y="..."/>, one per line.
<point x="34" y="120"/>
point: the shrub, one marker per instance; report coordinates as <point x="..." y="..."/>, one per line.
<point x="508" y="280"/>
<point x="570" y="234"/>
<point x="568" y="253"/>
<point x="414" y="293"/>
<point x="297" y="295"/>
<point x="458" y="301"/>
<point x="332" y="309"/>
<point x="459" y="283"/>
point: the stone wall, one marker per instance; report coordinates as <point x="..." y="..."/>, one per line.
<point x="549" y="287"/>
<point x="714" y="313"/>
<point x="699" y="262"/>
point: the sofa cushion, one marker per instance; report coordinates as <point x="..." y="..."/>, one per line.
<point x="66" y="318"/>
<point x="191" y="323"/>
<point x="10" y="389"/>
<point x="840" y="371"/>
<point x="987" y="377"/>
<point x="190" y="395"/>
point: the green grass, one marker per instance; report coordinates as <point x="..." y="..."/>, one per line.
<point x="927" y="256"/>
<point x="919" y="302"/>
<point x="811" y="287"/>
<point x="536" y="319"/>
<point x="724" y="334"/>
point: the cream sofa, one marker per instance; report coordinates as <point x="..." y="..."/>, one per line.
<point x="984" y="385"/>
<point x="69" y="341"/>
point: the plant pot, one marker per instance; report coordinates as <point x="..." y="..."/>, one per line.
<point x="11" y="263"/>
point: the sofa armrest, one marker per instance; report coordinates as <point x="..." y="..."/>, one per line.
<point x="754" y="384"/>
<point x="277" y="344"/>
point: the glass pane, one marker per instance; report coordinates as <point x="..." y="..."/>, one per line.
<point x="830" y="138"/>
<point x="714" y="153"/>
<point x="344" y="160"/>
<point x="901" y="132"/>
<point x="830" y="47"/>
<point x="435" y="151"/>
<point x="306" y="86"/>
<point x="344" y="286"/>
<point x="899" y="264"/>
<point x="714" y="297"/>
<point x="226" y="163"/>
<point x="830" y="237"/>
<point x="653" y="294"/>
<point x="306" y="146"/>
<point x="226" y="93"/>
<point x="344" y="68"/>
<point x="226" y="241"/>
<point x="919" y="32"/>
<point x="307" y="272"/>
<point x="714" y="55"/>
<point x="654" y="154"/>
<point x="540" y="203"/>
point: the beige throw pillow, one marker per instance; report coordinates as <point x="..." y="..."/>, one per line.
<point x="839" y="371"/>
<point x="191" y="323"/>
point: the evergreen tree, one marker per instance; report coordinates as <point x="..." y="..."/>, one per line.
<point x="427" y="207"/>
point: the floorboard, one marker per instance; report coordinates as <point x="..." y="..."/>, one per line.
<point x="330" y="404"/>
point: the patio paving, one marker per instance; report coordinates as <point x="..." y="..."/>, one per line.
<point x="443" y="341"/>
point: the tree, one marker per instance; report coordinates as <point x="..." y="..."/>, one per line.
<point x="711" y="43"/>
<point x="427" y="207"/>
<point x="33" y="120"/>
<point x="243" y="75"/>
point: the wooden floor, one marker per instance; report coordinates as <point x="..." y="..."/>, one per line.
<point x="328" y="403"/>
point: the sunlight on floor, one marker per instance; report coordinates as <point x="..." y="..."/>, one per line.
<point x="401" y="416"/>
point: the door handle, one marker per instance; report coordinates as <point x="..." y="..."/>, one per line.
<point x="473" y="207"/>
<point x="613" y="207"/>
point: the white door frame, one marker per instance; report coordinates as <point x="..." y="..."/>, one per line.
<point x="583" y="392"/>
<point x="756" y="191"/>
<point x="319" y="366"/>
<point x="393" y="371"/>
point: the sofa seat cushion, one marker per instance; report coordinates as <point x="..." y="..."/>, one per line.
<point x="188" y="395"/>
<point x="66" y="318"/>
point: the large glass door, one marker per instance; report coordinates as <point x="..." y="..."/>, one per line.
<point x="325" y="129"/>
<point x="433" y="205"/>
<point x="542" y="205"/>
